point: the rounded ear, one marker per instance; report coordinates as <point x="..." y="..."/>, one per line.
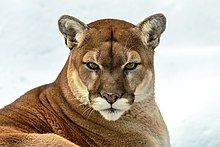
<point x="72" y="30"/>
<point x="152" y="27"/>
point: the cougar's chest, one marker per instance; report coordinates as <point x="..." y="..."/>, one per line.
<point x="119" y="133"/>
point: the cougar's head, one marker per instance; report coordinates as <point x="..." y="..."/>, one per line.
<point x="111" y="61"/>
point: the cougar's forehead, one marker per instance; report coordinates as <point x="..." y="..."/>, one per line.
<point x="112" y="45"/>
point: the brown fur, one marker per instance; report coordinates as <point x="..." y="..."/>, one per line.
<point x="54" y="115"/>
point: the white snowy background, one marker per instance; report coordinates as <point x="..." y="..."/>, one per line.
<point x="187" y="61"/>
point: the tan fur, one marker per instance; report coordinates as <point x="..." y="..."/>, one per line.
<point x="68" y="112"/>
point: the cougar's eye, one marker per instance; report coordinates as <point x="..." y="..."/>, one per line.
<point x="131" y="66"/>
<point x="92" y="65"/>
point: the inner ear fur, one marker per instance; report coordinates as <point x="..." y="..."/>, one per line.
<point x="72" y="30"/>
<point x="152" y="28"/>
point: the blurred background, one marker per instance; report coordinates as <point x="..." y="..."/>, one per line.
<point x="187" y="61"/>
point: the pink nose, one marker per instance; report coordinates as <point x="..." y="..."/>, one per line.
<point x="110" y="97"/>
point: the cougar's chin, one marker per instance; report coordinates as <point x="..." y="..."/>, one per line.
<point x="111" y="112"/>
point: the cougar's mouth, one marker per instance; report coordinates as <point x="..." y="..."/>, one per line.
<point x="111" y="112"/>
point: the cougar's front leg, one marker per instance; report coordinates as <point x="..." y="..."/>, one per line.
<point x="14" y="138"/>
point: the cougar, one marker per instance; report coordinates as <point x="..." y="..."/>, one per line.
<point x="104" y="95"/>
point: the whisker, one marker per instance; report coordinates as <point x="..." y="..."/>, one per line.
<point x="87" y="110"/>
<point x="92" y="110"/>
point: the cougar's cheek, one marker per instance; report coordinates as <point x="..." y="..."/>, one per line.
<point x="89" y="78"/>
<point x="92" y="83"/>
<point x="77" y="87"/>
<point x="128" y="98"/>
<point x="145" y="90"/>
<point x="134" y="78"/>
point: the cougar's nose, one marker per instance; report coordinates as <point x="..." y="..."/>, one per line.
<point x="110" y="97"/>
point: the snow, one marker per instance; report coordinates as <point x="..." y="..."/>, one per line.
<point x="187" y="90"/>
<point x="186" y="61"/>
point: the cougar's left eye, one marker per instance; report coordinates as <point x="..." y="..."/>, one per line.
<point x="92" y="65"/>
<point x="131" y="66"/>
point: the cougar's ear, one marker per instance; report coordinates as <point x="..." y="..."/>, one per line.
<point x="152" y="27"/>
<point x="72" y="30"/>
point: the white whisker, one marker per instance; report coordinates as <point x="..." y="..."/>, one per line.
<point x="92" y="110"/>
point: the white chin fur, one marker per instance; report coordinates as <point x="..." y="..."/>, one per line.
<point x="111" y="116"/>
<point x="111" y="113"/>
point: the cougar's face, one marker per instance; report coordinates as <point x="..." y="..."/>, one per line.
<point x="111" y="61"/>
<point x="111" y="70"/>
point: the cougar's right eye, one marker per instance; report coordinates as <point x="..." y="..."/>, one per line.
<point x="92" y="65"/>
